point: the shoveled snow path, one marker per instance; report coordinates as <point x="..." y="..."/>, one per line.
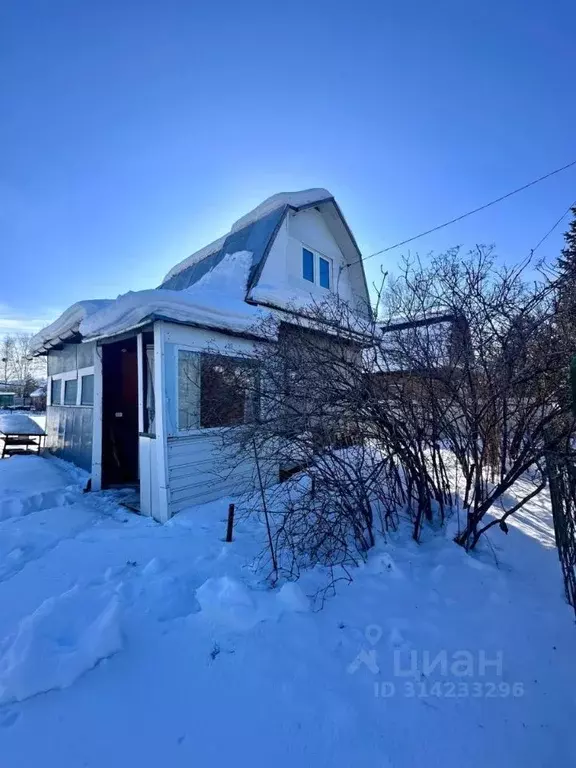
<point x="211" y="668"/>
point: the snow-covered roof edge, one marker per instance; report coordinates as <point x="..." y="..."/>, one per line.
<point x="67" y="324"/>
<point x="295" y="199"/>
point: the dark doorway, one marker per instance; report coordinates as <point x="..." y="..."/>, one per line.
<point x="120" y="413"/>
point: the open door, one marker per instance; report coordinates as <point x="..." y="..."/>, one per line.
<point x="120" y="413"/>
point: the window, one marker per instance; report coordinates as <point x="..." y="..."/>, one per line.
<point x="87" y="390"/>
<point x="316" y="268"/>
<point x="56" y="391"/>
<point x="188" y="390"/>
<point x="215" y="391"/>
<point x="228" y="391"/>
<point x="324" y="272"/>
<point x="307" y="265"/>
<point x="70" y="391"/>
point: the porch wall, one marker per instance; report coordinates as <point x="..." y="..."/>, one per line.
<point x="198" y="471"/>
<point x="69" y="428"/>
<point x="199" y="467"/>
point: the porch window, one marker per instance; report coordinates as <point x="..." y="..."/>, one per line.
<point x="56" y="391"/>
<point x="87" y="390"/>
<point x="188" y="390"/>
<point x="228" y="391"/>
<point x="70" y="391"/>
<point x="215" y="391"/>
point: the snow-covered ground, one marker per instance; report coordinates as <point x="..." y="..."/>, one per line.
<point x="130" y="643"/>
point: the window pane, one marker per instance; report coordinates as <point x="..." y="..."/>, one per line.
<point x="188" y="390"/>
<point x="70" y="390"/>
<point x="228" y="391"/>
<point x="56" y="391"/>
<point x="87" y="392"/>
<point x="307" y="265"/>
<point x="324" y="272"/>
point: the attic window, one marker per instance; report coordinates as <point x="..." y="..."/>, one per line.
<point x="307" y="265"/>
<point x="324" y="272"/>
<point x="316" y="268"/>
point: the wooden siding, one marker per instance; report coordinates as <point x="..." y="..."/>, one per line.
<point x="199" y="470"/>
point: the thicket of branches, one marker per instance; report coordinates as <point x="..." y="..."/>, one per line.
<point x="441" y="405"/>
<point x="17" y="369"/>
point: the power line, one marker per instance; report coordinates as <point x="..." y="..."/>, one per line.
<point x="465" y="215"/>
<point x="566" y="212"/>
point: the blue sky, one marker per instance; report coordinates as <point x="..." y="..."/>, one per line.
<point x="134" y="132"/>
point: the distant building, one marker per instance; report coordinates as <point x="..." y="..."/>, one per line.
<point x="38" y="399"/>
<point x="7" y="399"/>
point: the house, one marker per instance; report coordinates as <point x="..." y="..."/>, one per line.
<point x="130" y="380"/>
<point x="38" y="398"/>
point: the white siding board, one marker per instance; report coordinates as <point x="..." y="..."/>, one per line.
<point x="199" y="471"/>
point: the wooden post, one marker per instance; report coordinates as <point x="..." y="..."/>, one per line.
<point x="230" y="523"/>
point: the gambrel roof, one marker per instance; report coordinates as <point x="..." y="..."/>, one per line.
<point x="212" y="287"/>
<point x="255" y="232"/>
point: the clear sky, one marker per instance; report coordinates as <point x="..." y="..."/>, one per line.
<point x="133" y="132"/>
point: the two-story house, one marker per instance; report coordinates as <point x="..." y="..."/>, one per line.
<point x="130" y="380"/>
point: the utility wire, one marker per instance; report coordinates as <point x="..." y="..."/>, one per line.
<point x="469" y="213"/>
<point x="566" y="212"/>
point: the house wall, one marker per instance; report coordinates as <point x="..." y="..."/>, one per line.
<point x="282" y="273"/>
<point x="199" y="468"/>
<point x="69" y="427"/>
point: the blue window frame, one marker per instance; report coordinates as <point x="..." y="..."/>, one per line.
<point x="307" y="265"/>
<point x="324" y="270"/>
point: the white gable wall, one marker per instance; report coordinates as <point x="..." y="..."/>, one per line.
<point x="281" y="280"/>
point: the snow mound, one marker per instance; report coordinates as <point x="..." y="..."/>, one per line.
<point x="68" y="323"/>
<point x="31" y="483"/>
<point x="224" y="600"/>
<point x="228" y="603"/>
<point x="215" y="301"/>
<point x="292" y="598"/>
<point x="166" y="596"/>
<point x="64" y="638"/>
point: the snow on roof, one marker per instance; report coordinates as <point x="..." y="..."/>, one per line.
<point x="418" y="319"/>
<point x="294" y="199"/>
<point x="67" y="324"/>
<point x="215" y="301"/>
<point x="196" y="257"/>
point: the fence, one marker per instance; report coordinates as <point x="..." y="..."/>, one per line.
<point x="562" y="476"/>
